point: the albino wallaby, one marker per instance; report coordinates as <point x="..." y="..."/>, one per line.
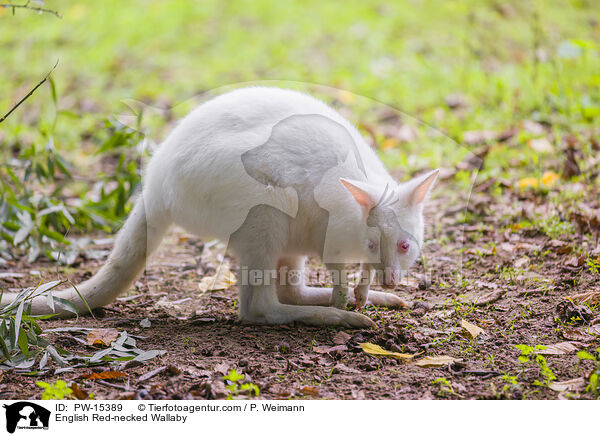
<point x="278" y="175"/>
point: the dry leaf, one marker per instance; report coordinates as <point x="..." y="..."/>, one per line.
<point x="309" y="390"/>
<point x="528" y="182"/>
<point x="102" y="336"/>
<point x="478" y="136"/>
<point x="549" y="178"/>
<point x="223" y="368"/>
<point x="389" y="143"/>
<point x="224" y="279"/>
<point x="376" y="350"/>
<point x="541" y="145"/>
<point x="436" y="361"/>
<point x="576" y="384"/>
<point x="79" y="393"/>
<point x="322" y="349"/>
<point x="561" y="348"/>
<point x="104" y="375"/>
<point x="472" y="329"/>
<point x="341" y="338"/>
<point x="587" y="297"/>
<point x="533" y="127"/>
<point x="521" y="262"/>
<point x="585" y="334"/>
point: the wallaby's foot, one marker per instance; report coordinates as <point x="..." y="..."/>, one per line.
<point x="312" y="296"/>
<point x="310" y="315"/>
<point x="378" y="298"/>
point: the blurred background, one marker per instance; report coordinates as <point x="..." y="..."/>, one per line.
<point x="430" y="83"/>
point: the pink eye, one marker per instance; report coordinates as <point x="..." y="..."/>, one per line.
<point x="372" y="246"/>
<point x="403" y="246"/>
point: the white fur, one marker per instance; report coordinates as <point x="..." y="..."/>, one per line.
<point x="197" y="180"/>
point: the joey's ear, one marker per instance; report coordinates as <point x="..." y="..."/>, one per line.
<point x="364" y="193"/>
<point x="420" y="187"/>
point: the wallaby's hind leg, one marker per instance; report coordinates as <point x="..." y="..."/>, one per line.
<point x="291" y="288"/>
<point x="259" y="243"/>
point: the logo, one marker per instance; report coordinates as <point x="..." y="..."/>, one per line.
<point x="26" y="415"/>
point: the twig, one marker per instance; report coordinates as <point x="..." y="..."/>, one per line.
<point x="111" y="385"/>
<point x="31" y="8"/>
<point x="30" y="92"/>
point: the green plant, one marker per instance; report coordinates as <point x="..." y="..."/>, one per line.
<point x="236" y="388"/>
<point x="593" y="265"/>
<point x="527" y="352"/>
<point x="35" y="215"/>
<point x="594" y="378"/>
<point x="57" y="391"/>
<point x="444" y="387"/>
<point x="511" y="382"/>
<point x="20" y="340"/>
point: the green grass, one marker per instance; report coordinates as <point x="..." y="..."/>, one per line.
<point x="508" y="62"/>
<point x="411" y="55"/>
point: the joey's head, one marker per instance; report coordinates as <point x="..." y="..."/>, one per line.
<point x="394" y="224"/>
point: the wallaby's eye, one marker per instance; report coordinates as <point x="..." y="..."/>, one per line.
<point x="403" y="246"/>
<point x="372" y="246"/>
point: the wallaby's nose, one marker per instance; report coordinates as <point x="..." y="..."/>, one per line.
<point x="391" y="279"/>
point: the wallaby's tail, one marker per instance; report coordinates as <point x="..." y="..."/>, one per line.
<point x="140" y="235"/>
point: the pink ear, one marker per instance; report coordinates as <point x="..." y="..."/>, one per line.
<point x="423" y="187"/>
<point x="360" y="194"/>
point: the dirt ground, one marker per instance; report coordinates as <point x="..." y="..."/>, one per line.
<point x="508" y="279"/>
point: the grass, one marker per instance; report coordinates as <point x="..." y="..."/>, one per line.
<point x="449" y="71"/>
<point x="510" y="61"/>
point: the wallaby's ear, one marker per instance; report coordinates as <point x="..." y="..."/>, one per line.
<point x="421" y="186"/>
<point x="364" y="193"/>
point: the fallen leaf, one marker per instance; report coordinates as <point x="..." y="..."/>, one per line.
<point x="376" y="350"/>
<point x="341" y="338"/>
<point x="406" y="133"/>
<point x="222" y="367"/>
<point x="340" y="367"/>
<point x="472" y="329"/>
<point x="587" y="297"/>
<point x="541" y="145"/>
<point x="528" y="182"/>
<point x="549" y="178"/>
<point x="322" y="349"/>
<point x="436" y="361"/>
<point x="521" y="262"/>
<point x="585" y="334"/>
<point x="575" y="384"/>
<point x="561" y="348"/>
<point x="576" y="261"/>
<point x="102" y="337"/>
<point x="145" y="323"/>
<point x="224" y="279"/>
<point x="152" y="373"/>
<point x="79" y="393"/>
<point x="388" y="143"/>
<point x="104" y="375"/>
<point x="489" y="297"/>
<point x="309" y="390"/>
<point x="478" y="136"/>
<point x="533" y="127"/>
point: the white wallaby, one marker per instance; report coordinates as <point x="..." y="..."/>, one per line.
<point x="278" y="175"/>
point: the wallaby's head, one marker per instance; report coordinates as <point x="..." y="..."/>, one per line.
<point x="394" y="223"/>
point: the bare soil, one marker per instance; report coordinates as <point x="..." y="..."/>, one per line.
<point x="510" y="280"/>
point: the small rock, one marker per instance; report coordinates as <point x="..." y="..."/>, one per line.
<point x="567" y="311"/>
<point x="422" y="304"/>
<point x="424" y="283"/>
<point x="418" y="312"/>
